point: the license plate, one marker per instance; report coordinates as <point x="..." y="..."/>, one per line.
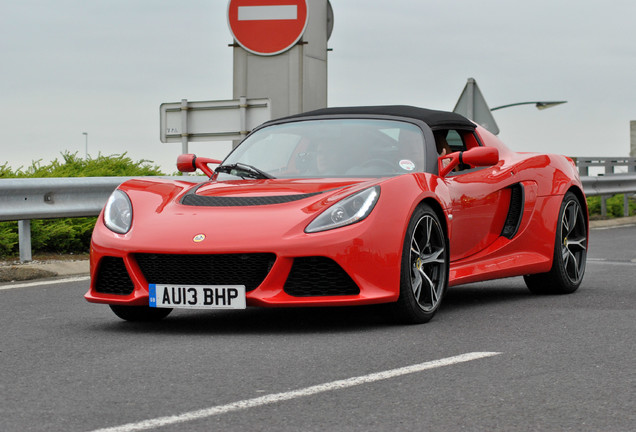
<point x="197" y="296"/>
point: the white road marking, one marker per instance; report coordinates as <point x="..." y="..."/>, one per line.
<point x="613" y="227"/>
<point x="44" y="282"/>
<point x="266" y="13"/>
<point x="607" y="262"/>
<point x="308" y="391"/>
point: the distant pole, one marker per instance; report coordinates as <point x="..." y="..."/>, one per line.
<point x="85" y="145"/>
<point x="184" y="129"/>
<point x="632" y="138"/>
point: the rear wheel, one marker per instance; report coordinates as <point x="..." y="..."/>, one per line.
<point x="424" y="274"/>
<point x="570" y="252"/>
<point x="140" y="313"/>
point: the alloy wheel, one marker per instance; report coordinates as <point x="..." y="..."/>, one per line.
<point x="428" y="263"/>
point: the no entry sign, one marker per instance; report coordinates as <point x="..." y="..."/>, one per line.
<point x="267" y="27"/>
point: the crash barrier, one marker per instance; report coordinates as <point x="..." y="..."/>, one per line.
<point x="610" y="166"/>
<point x="50" y="198"/>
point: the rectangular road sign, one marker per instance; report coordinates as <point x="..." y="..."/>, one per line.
<point x="222" y="120"/>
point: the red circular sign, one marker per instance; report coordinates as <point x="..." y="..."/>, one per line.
<point x="267" y="27"/>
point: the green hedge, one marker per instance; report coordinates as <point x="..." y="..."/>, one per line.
<point x="614" y="206"/>
<point x="68" y="235"/>
<point x="73" y="166"/>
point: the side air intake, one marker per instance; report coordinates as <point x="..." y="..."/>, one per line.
<point x="515" y="211"/>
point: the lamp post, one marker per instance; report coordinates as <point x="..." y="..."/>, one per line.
<point x="539" y="104"/>
<point x="85" y="145"/>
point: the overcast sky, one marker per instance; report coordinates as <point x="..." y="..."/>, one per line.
<point x="105" y="66"/>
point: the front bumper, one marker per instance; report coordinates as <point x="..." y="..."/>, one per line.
<point x="347" y="266"/>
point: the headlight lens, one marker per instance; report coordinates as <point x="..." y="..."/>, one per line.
<point x="118" y="212"/>
<point x="346" y="211"/>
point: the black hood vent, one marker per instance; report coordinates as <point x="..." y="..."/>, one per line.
<point x="192" y="199"/>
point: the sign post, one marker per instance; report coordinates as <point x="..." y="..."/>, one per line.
<point x="280" y="52"/>
<point x="202" y="121"/>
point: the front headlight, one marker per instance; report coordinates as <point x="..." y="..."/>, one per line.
<point x="347" y="211"/>
<point x="118" y="212"/>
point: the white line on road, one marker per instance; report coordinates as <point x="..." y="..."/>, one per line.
<point x="608" y="262"/>
<point x="602" y="228"/>
<point x="44" y="282"/>
<point x="308" y="391"/>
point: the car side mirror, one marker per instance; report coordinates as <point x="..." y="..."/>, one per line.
<point x="476" y="156"/>
<point x="190" y="162"/>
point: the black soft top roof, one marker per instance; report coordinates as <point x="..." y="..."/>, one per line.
<point x="433" y="118"/>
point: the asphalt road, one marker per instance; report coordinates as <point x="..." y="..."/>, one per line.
<point x="557" y="363"/>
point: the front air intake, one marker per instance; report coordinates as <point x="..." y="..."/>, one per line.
<point x="318" y="277"/>
<point x="112" y="277"/>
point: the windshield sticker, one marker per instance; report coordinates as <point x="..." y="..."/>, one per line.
<point x="407" y="165"/>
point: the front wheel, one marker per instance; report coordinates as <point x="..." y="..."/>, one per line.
<point x="570" y="252"/>
<point x="140" y="313"/>
<point x="424" y="269"/>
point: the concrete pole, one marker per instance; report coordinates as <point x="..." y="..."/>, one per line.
<point x="632" y="138"/>
<point x="632" y="153"/>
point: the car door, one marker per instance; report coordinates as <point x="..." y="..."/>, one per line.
<point x="480" y="199"/>
<point x="479" y="206"/>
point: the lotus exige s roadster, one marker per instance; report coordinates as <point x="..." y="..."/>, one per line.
<point x="342" y="206"/>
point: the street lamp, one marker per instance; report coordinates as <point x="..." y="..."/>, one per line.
<point x="85" y="145"/>
<point x="539" y="104"/>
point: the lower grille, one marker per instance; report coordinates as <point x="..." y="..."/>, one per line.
<point x="223" y="269"/>
<point x="318" y="276"/>
<point x="112" y="277"/>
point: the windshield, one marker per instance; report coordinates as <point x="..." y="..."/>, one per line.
<point x="328" y="148"/>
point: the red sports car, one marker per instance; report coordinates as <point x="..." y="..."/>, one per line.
<point x="342" y="206"/>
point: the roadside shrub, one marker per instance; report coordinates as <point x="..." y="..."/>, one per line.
<point x="62" y="235"/>
<point x="6" y="171"/>
<point x="8" y="237"/>
<point x="614" y="206"/>
<point x="594" y="205"/>
<point x="72" y="165"/>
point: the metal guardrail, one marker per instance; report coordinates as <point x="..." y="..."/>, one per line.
<point x="609" y="185"/>
<point x="46" y="198"/>
<point x="609" y="164"/>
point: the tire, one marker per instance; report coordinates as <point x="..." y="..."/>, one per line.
<point x="140" y="313"/>
<point x="424" y="268"/>
<point x="570" y="252"/>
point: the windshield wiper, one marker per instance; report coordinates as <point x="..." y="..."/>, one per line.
<point x="249" y="171"/>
